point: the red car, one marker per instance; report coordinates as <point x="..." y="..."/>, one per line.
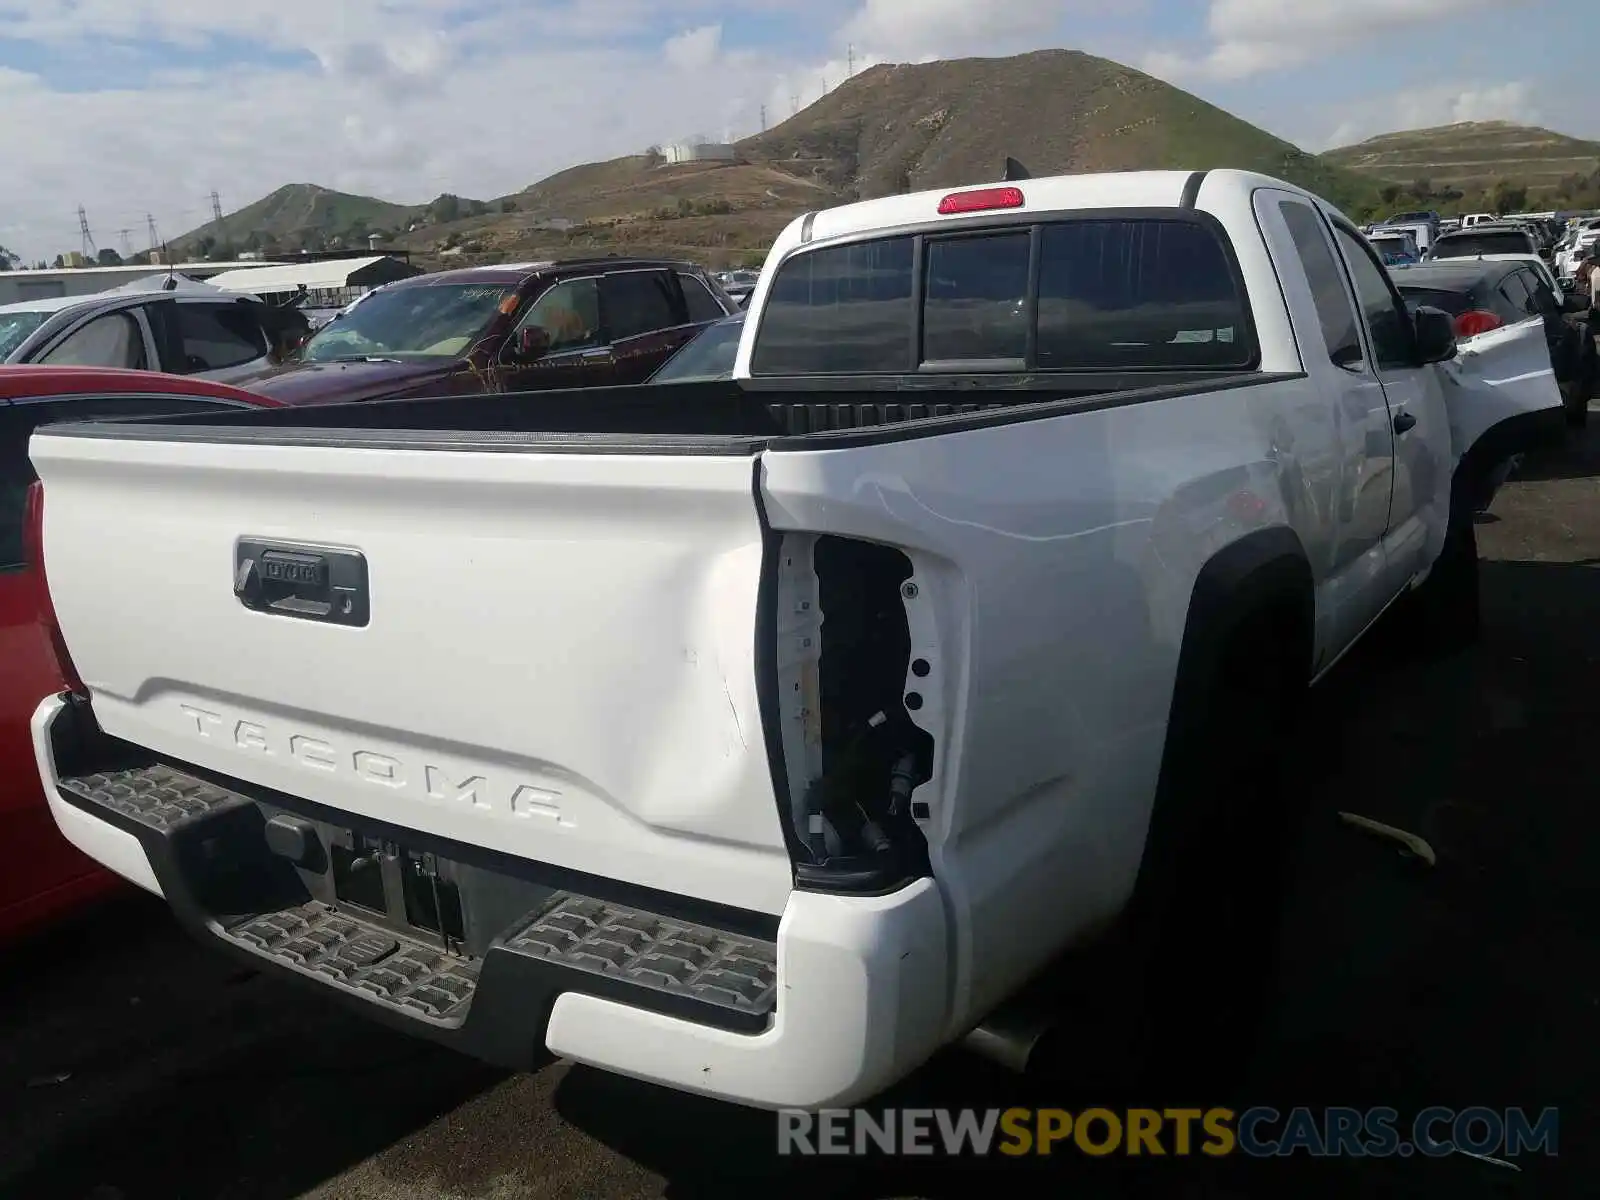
<point x="45" y="875"/>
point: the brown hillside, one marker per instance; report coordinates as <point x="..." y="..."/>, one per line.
<point x="888" y="129"/>
<point x="894" y="128"/>
<point x="1472" y="155"/>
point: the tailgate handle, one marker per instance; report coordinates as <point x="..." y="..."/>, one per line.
<point x="312" y="583"/>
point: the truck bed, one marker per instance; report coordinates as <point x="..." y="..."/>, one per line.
<point x="722" y="417"/>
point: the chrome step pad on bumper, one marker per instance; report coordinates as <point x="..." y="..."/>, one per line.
<point x="207" y="847"/>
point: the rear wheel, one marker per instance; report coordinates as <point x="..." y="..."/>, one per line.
<point x="1203" y="929"/>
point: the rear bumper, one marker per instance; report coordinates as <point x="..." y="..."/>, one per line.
<point x="844" y="997"/>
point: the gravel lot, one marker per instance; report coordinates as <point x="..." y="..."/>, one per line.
<point x="135" y="1064"/>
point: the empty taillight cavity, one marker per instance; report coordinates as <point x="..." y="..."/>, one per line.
<point x="853" y="754"/>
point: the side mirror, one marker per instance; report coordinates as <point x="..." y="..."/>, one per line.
<point x="1436" y="334"/>
<point x="533" y="343"/>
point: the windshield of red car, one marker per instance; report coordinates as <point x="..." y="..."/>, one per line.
<point x="431" y="321"/>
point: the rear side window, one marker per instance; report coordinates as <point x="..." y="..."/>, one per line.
<point x="1470" y="245"/>
<point x="1146" y="293"/>
<point x="638" y="302"/>
<point x="1511" y="298"/>
<point x="113" y="340"/>
<point x="702" y="305"/>
<point x="215" y="336"/>
<point x="1454" y="303"/>
<point x="846" y="310"/>
<point x="1541" y="300"/>
<point x="1335" y="313"/>
<point x="1117" y="294"/>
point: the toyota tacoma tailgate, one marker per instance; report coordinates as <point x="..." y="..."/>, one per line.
<point x="545" y="654"/>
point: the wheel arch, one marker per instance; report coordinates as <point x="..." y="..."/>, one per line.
<point x="1254" y="592"/>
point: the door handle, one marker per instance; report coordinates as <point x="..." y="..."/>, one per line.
<point x="1404" y="422"/>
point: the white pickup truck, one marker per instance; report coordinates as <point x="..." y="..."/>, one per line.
<point x="759" y="737"/>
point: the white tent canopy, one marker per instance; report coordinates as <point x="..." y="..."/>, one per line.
<point x="326" y="275"/>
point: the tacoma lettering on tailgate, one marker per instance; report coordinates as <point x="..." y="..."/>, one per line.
<point x="383" y="770"/>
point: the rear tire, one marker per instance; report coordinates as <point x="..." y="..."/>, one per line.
<point x="1205" y="921"/>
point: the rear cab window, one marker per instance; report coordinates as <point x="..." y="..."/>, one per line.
<point x="1494" y="241"/>
<point x="1103" y="294"/>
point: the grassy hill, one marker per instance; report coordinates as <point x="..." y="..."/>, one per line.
<point x="1471" y="156"/>
<point x="894" y="128"/>
<point x="296" y="213"/>
<point x="888" y="129"/>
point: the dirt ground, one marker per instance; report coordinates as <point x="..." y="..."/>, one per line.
<point x="135" y="1064"/>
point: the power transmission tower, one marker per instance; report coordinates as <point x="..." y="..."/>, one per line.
<point x="850" y="58"/>
<point x="127" y="247"/>
<point x="763" y="118"/>
<point x="216" y="207"/>
<point x="85" y="238"/>
<point x="794" y="103"/>
<point x="150" y="224"/>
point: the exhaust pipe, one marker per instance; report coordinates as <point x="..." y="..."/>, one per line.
<point x="1012" y="1035"/>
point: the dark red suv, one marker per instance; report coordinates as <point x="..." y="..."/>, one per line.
<point x="518" y="327"/>
<point x="45" y="875"/>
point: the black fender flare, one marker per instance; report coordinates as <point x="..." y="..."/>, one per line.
<point x="1265" y="569"/>
<point x="1538" y="429"/>
<point x="1265" y="575"/>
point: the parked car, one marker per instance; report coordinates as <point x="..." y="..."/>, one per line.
<point x="1491" y="298"/>
<point x="191" y="330"/>
<point x="580" y="323"/>
<point x="1484" y="238"/>
<point x="738" y="284"/>
<point x="1573" y="248"/>
<point x="46" y="875"/>
<point x="761" y="738"/>
<point x="1396" y="247"/>
<point x="709" y="356"/>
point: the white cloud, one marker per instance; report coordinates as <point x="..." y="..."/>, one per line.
<point x="1256" y="37"/>
<point x="392" y="98"/>
<point x="906" y="30"/>
<point x="1425" y="107"/>
<point x="695" y="49"/>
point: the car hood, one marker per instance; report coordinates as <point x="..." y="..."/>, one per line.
<point x="333" y="382"/>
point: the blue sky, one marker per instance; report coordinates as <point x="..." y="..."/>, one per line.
<point x="131" y="107"/>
